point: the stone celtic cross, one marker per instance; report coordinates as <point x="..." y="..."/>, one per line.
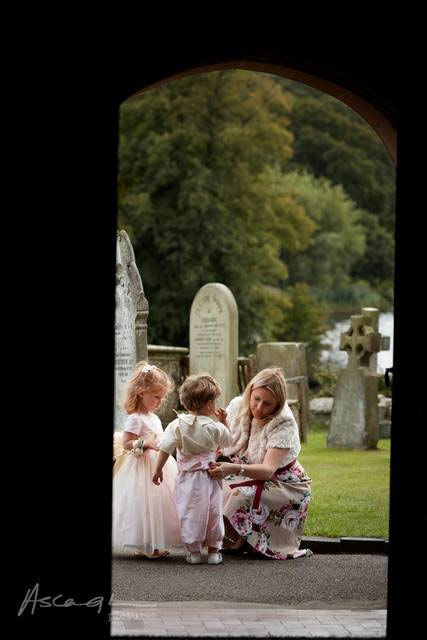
<point x="360" y="341"/>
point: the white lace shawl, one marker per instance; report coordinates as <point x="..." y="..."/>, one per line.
<point x="252" y="441"/>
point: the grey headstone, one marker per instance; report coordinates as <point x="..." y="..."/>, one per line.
<point x="291" y="358"/>
<point x="354" y="418"/>
<point x="214" y="337"/>
<point x="168" y="359"/>
<point x="130" y="322"/>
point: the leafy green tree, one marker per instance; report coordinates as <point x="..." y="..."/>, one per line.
<point x="333" y="141"/>
<point x="208" y="191"/>
<point x="337" y="242"/>
<point x="378" y="257"/>
<point x="304" y="320"/>
<point x="200" y="197"/>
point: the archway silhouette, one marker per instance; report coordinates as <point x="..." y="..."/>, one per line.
<point x="64" y="312"/>
<point x="374" y="116"/>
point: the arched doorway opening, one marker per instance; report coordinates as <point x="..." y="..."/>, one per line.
<point x="374" y="116"/>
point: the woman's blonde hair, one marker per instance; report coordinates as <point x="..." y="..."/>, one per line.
<point x="197" y="391"/>
<point x="146" y="377"/>
<point x="272" y="379"/>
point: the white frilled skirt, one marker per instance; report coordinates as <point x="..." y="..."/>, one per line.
<point x="144" y="514"/>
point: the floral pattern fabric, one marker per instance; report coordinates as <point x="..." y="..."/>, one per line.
<point x="276" y="527"/>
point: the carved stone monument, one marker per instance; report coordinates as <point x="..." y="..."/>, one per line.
<point x="214" y="337"/>
<point x="354" y="418"/>
<point x="291" y="358"/>
<point x="130" y="322"/>
<point x="169" y="359"/>
<point x="385" y="340"/>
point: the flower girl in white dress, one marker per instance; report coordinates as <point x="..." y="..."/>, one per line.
<point x="144" y="515"/>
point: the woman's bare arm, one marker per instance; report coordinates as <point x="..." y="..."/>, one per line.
<point x="264" y="471"/>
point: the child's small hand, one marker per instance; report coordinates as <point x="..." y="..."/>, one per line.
<point x="221" y="415"/>
<point x="158" y="477"/>
<point x="218" y="453"/>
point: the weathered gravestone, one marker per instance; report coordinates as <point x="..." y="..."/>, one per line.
<point x="354" y="418"/>
<point x="384" y="404"/>
<point x="385" y="340"/>
<point x="130" y="323"/>
<point x="214" y="337"/>
<point x="291" y="358"/>
<point x="169" y="359"/>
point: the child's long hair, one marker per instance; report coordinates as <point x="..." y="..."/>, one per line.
<point x="146" y="377"/>
<point x="271" y="379"/>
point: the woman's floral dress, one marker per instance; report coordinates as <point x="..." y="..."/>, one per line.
<point x="269" y="515"/>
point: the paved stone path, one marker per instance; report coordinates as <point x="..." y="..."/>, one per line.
<point x="220" y="619"/>
<point x="324" y="581"/>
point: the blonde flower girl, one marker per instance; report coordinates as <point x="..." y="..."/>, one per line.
<point x="144" y="515"/>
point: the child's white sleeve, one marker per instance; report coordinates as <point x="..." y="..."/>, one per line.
<point x="167" y="442"/>
<point x="132" y="424"/>
<point x="225" y="437"/>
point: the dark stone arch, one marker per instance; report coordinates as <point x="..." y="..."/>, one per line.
<point x="64" y="335"/>
<point x="375" y="115"/>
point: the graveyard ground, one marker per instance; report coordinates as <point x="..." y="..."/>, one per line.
<point x="350" y="488"/>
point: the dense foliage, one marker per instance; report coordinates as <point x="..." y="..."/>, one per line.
<point x="221" y="179"/>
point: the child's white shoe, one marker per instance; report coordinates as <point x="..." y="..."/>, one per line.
<point x="194" y="558"/>
<point x="214" y="558"/>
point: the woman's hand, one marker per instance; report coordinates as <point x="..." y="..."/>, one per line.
<point x="222" y="469"/>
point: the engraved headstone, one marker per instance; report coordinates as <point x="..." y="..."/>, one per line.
<point x="130" y="323"/>
<point x="354" y="418"/>
<point x="291" y="358"/>
<point x="214" y="337"/>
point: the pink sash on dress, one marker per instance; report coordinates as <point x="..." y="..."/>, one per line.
<point x="195" y="462"/>
<point x="260" y="484"/>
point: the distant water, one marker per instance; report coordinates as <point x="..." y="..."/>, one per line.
<point x="337" y="359"/>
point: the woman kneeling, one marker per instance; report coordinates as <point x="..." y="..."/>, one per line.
<point x="267" y="491"/>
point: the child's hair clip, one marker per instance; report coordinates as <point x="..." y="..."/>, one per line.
<point x="147" y="367"/>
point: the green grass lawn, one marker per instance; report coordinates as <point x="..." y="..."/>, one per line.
<point x="350" y="490"/>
